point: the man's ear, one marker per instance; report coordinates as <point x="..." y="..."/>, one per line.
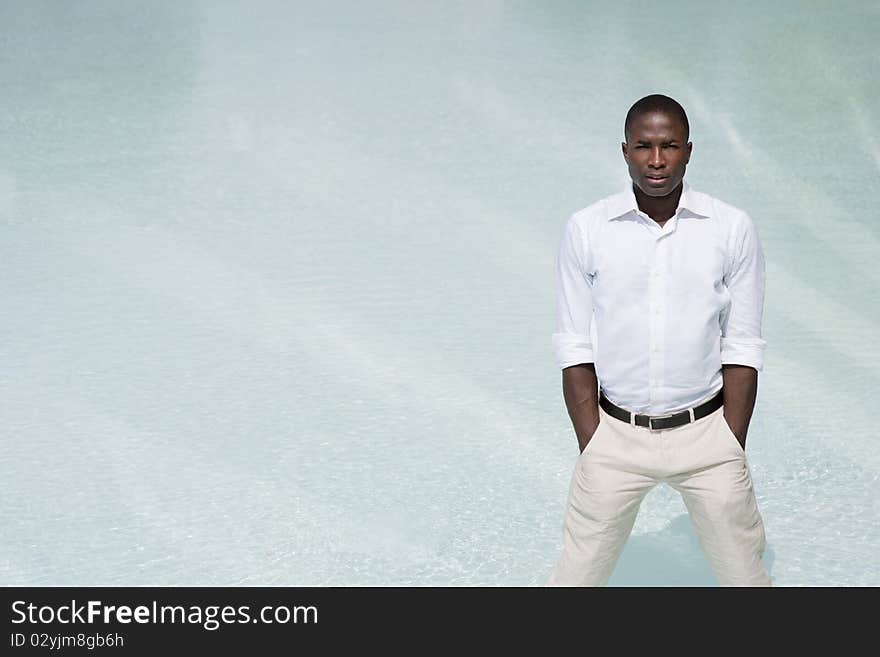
<point x="625" y="155"/>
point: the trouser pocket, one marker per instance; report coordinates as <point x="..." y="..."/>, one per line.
<point x="729" y="432"/>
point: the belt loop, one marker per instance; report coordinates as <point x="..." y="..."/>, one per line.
<point x="691" y="411"/>
<point x="632" y="419"/>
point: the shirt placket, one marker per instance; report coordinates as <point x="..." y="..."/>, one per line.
<point x="657" y="311"/>
<point x="656" y="323"/>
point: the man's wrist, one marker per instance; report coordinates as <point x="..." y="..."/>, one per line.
<point x="737" y="427"/>
<point x="586" y="435"/>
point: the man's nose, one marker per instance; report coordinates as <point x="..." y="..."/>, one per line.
<point x="656" y="160"/>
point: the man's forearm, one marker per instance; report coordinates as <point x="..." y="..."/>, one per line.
<point x="580" y="388"/>
<point x="740" y="392"/>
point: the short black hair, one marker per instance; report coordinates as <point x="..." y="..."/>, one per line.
<point x="656" y="103"/>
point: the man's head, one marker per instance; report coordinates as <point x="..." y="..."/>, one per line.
<point x="656" y="149"/>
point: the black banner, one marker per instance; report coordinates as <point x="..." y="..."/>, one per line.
<point x="172" y="620"/>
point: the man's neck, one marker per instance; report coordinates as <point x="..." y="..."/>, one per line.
<point x="659" y="208"/>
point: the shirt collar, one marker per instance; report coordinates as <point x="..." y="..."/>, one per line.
<point x="622" y="204"/>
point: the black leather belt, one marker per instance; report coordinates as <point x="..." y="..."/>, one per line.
<point x="663" y="421"/>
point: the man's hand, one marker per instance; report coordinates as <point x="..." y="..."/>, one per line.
<point x="740" y="392"/>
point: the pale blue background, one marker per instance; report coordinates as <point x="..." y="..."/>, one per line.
<point x="276" y="281"/>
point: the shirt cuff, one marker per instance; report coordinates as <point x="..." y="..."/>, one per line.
<point x="572" y="349"/>
<point x="743" y="351"/>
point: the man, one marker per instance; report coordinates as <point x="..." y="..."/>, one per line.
<point x="660" y="294"/>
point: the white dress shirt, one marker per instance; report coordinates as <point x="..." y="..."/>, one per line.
<point x="659" y="309"/>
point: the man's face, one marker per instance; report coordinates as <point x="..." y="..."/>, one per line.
<point x="656" y="153"/>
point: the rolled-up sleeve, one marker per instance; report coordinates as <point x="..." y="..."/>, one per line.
<point x="574" y="301"/>
<point x="741" y="341"/>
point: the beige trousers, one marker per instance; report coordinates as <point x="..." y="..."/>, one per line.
<point x="702" y="460"/>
